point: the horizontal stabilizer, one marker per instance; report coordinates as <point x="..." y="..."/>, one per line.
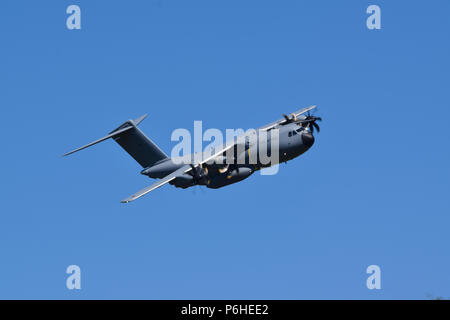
<point x="113" y="134"/>
<point x="134" y="141"/>
<point x="140" y="119"/>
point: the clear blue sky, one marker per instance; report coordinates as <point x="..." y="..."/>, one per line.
<point x="374" y="189"/>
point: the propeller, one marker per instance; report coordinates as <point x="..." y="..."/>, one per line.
<point x="199" y="173"/>
<point x="222" y="165"/>
<point x="293" y="117"/>
<point x="310" y="122"/>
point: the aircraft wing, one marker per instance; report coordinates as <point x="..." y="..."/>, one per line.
<point x="184" y="169"/>
<point x="281" y="121"/>
<point x="159" y="183"/>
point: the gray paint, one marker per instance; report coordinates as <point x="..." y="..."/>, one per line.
<point x="295" y="138"/>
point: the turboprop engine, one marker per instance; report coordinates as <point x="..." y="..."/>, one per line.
<point x="221" y="164"/>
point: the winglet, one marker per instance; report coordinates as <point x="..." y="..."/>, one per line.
<point x="113" y="134"/>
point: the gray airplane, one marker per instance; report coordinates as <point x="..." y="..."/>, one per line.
<point x="230" y="163"/>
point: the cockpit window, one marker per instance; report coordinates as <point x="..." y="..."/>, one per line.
<point x="290" y="134"/>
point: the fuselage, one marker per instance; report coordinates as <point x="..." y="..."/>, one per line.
<point x="220" y="164"/>
<point x="293" y="140"/>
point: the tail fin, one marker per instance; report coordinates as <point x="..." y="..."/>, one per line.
<point x="134" y="141"/>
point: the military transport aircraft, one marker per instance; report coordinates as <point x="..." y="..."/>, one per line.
<point x="215" y="170"/>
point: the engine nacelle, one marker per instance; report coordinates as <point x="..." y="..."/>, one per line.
<point x="230" y="178"/>
<point x="183" y="181"/>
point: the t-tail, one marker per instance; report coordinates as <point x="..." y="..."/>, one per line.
<point x="133" y="141"/>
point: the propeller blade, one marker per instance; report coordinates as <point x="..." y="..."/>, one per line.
<point x="196" y="170"/>
<point x="316" y="126"/>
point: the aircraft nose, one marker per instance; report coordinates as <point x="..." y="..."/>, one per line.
<point x="308" y="139"/>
